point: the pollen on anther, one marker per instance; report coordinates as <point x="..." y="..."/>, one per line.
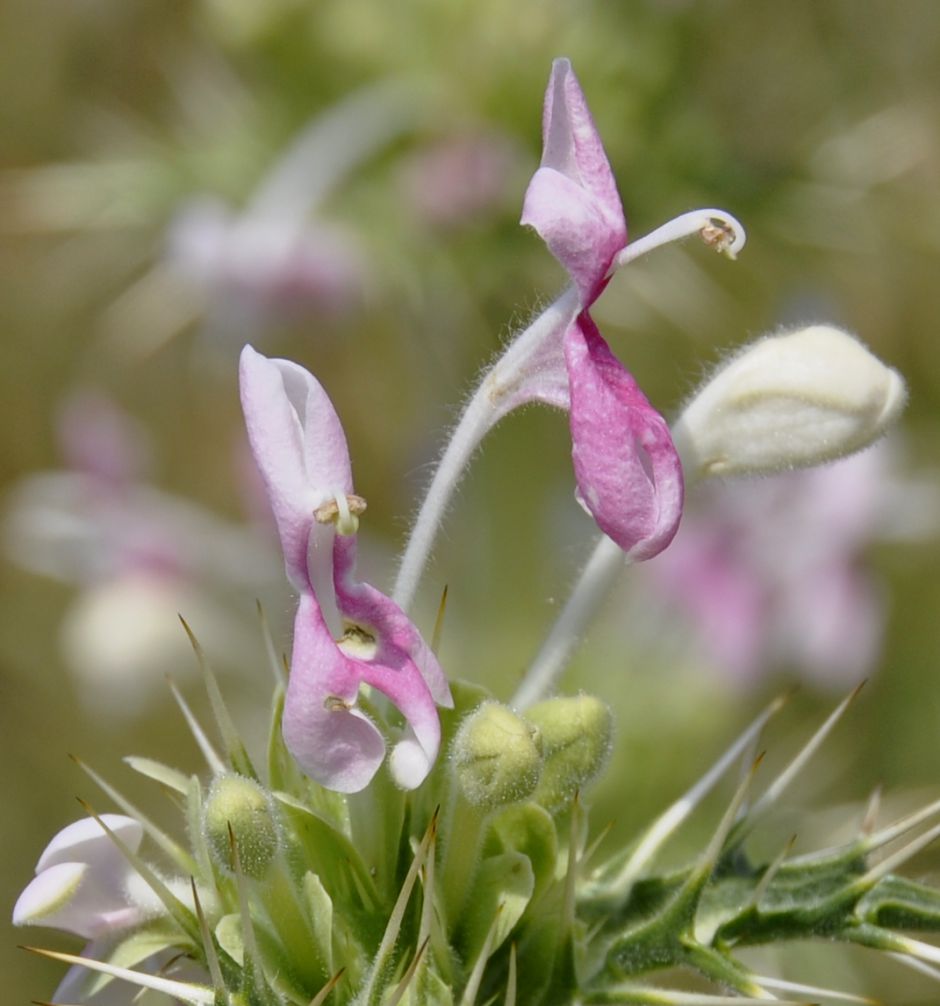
<point x="329" y="512"/>
<point x="334" y="704"/>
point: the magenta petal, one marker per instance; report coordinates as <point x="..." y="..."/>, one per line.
<point x="400" y="681"/>
<point x="401" y="666"/>
<point x="572" y="145"/>
<point x="362" y="604"/>
<point x="299" y="447"/>
<point x="334" y="743"/>
<point x="570" y="221"/>
<point x="572" y="200"/>
<point x="626" y="467"/>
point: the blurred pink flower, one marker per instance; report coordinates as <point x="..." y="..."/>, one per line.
<point x="262" y="264"/>
<point x="770" y="573"/>
<point x="460" y="179"/>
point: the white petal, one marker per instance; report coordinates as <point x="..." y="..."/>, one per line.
<point x="48" y="895"/>
<point x="86" y="841"/>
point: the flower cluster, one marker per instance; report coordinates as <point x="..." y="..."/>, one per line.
<point x="334" y="871"/>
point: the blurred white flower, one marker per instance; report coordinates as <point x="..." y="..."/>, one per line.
<point x="139" y="556"/>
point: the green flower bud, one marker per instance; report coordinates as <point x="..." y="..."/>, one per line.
<point x="576" y="734"/>
<point x="497" y="756"/>
<point x="238" y="808"/>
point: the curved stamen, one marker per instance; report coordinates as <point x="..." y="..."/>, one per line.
<point x="718" y="229"/>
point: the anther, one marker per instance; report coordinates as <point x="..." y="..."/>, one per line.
<point x="343" y="511"/>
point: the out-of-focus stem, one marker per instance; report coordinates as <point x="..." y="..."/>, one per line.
<point x="596" y="579"/>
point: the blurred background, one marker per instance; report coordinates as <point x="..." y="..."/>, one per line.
<point x="340" y="183"/>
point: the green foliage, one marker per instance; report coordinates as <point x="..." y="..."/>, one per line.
<point x="503" y="904"/>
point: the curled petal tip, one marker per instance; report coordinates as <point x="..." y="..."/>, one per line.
<point x="409" y="764"/>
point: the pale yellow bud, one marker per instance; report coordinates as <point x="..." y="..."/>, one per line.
<point x="576" y="734"/>
<point x="497" y="756"/>
<point x="788" y="401"/>
<point x="238" y="809"/>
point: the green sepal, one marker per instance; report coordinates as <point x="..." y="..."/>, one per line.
<point x="530" y="829"/>
<point x="230" y="937"/>
<point x="320" y="911"/>
<point x="430" y="990"/>
<point x="327" y="852"/>
<point x="503" y="886"/>
<point x="280" y="971"/>
<point x="171" y="778"/>
<point x="283" y="772"/>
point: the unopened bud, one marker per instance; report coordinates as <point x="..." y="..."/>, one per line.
<point x="239" y="811"/>
<point x="576" y="734"/>
<point x="497" y="756"/>
<point x="788" y="401"/>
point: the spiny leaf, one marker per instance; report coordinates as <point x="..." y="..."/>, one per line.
<point x="215" y="763"/>
<point x="815" y="990"/>
<point x="502" y="888"/>
<point x="643" y="995"/>
<point x="899" y="903"/>
<point x="439" y="622"/>
<point x="134" y="948"/>
<point x="408" y="977"/>
<point x="476" y="974"/>
<point x="171" y="778"/>
<point x="511" y="978"/>
<point x="320" y="998"/>
<point x="234" y="748"/>
<point x="192" y="994"/>
<point x="208" y="943"/>
<point x="172" y="848"/>
<point x="275" y="660"/>
<point x="372" y="990"/>
<point x="786" y="777"/>
<point x="613" y="880"/>
<point x="251" y="960"/>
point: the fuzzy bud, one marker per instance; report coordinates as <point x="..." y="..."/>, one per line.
<point x="497" y="756"/>
<point x="576" y="734"/>
<point x="238" y="807"/>
<point x="788" y="401"/>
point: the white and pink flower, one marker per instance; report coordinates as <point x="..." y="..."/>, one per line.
<point x="346" y="633"/>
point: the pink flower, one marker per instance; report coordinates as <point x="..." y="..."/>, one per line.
<point x="346" y="633"/>
<point x="627" y="470"/>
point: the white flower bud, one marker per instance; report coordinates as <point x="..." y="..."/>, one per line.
<point x="788" y="401"/>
